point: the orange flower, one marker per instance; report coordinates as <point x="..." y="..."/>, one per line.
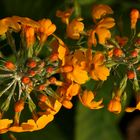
<point x="4" y="125"/>
<point x="46" y="29"/>
<point x="59" y="48"/>
<point x="74" y="28"/>
<point x="98" y="70"/>
<point x="78" y="61"/>
<point x="25" y="21"/>
<point x="101" y="10"/>
<point x="51" y="106"/>
<point x="87" y="98"/>
<point x="68" y="91"/>
<point x="73" y="90"/>
<point x="134" y="15"/>
<point x="64" y="15"/>
<point x="7" y="23"/>
<point x="102" y="31"/>
<point x="15" y="23"/>
<point x="31" y="125"/>
<point x="131" y="109"/>
<point x="115" y="105"/>
<point x="137" y="107"/>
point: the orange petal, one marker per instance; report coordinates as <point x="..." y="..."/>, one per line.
<point x="78" y="75"/>
<point x="106" y="23"/>
<point x="43" y="121"/>
<point x="5" y="123"/>
<point x="103" y="35"/>
<point x="101" y="10"/>
<point x="130" y="109"/>
<point x="96" y="104"/>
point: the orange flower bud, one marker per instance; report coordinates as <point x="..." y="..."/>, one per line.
<point x="117" y="52"/>
<point x="19" y="106"/>
<point x="30" y="36"/>
<point x="31" y="72"/>
<point x="31" y="64"/>
<point x="41" y="87"/>
<point x="26" y="80"/>
<point x="130" y="74"/>
<point x="54" y="57"/>
<point x="66" y="69"/>
<point x="134" y="15"/>
<point x="49" y="70"/>
<point x="52" y="80"/>
<point x="42" y="98"/>
<point x="134" y="53"/>
<point x="115" y="105"/>
<point x="9" y="65"/>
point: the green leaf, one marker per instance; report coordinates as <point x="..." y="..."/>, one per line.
<point x="51" y="132"/>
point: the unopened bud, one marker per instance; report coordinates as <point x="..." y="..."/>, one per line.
<point x="117" y="52"/>
<point x="31" y="64"/>
<point x="134" y="15"/>
<point x="49" y="70"/>
<point x="130" y="74"/>
<point x="19" y="106"/>
<point x="54" y="57"/>
<point x="41" y="87"/>
<point x="26" y="80"/>
<point x="115" y="105"/>
<point x="31" y="73"/>
<point x="9" y="65"/>
<point x="42" y="98"/>
<point x="134" y="53"/>
<point x="52" y="80"/>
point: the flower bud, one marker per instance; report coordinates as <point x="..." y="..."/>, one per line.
<point x="117" y="52"/>
<point x="49" y="70"/>
<point x="26" y="80"/>
<point x="134" y="53"/>
<point x="9" y="65"/>
<point x="41" y="87"/>
<point x="130" y="74"/>
<point x="30" y="36"/>
<point x="52" y="80"/>
<point x="134" y="15"/>
<point x="31" y="64"/>
<point x="19" y="106"/>
<point x="115" y="105"/>
<point x="42" y="98"/>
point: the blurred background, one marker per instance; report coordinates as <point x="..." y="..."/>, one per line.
<point x="79" y="123"/>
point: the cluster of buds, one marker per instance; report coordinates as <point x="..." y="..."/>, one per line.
<point x="42" y="73"/>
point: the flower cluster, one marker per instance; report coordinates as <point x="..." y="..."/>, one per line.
<point x="40" y="73"/>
